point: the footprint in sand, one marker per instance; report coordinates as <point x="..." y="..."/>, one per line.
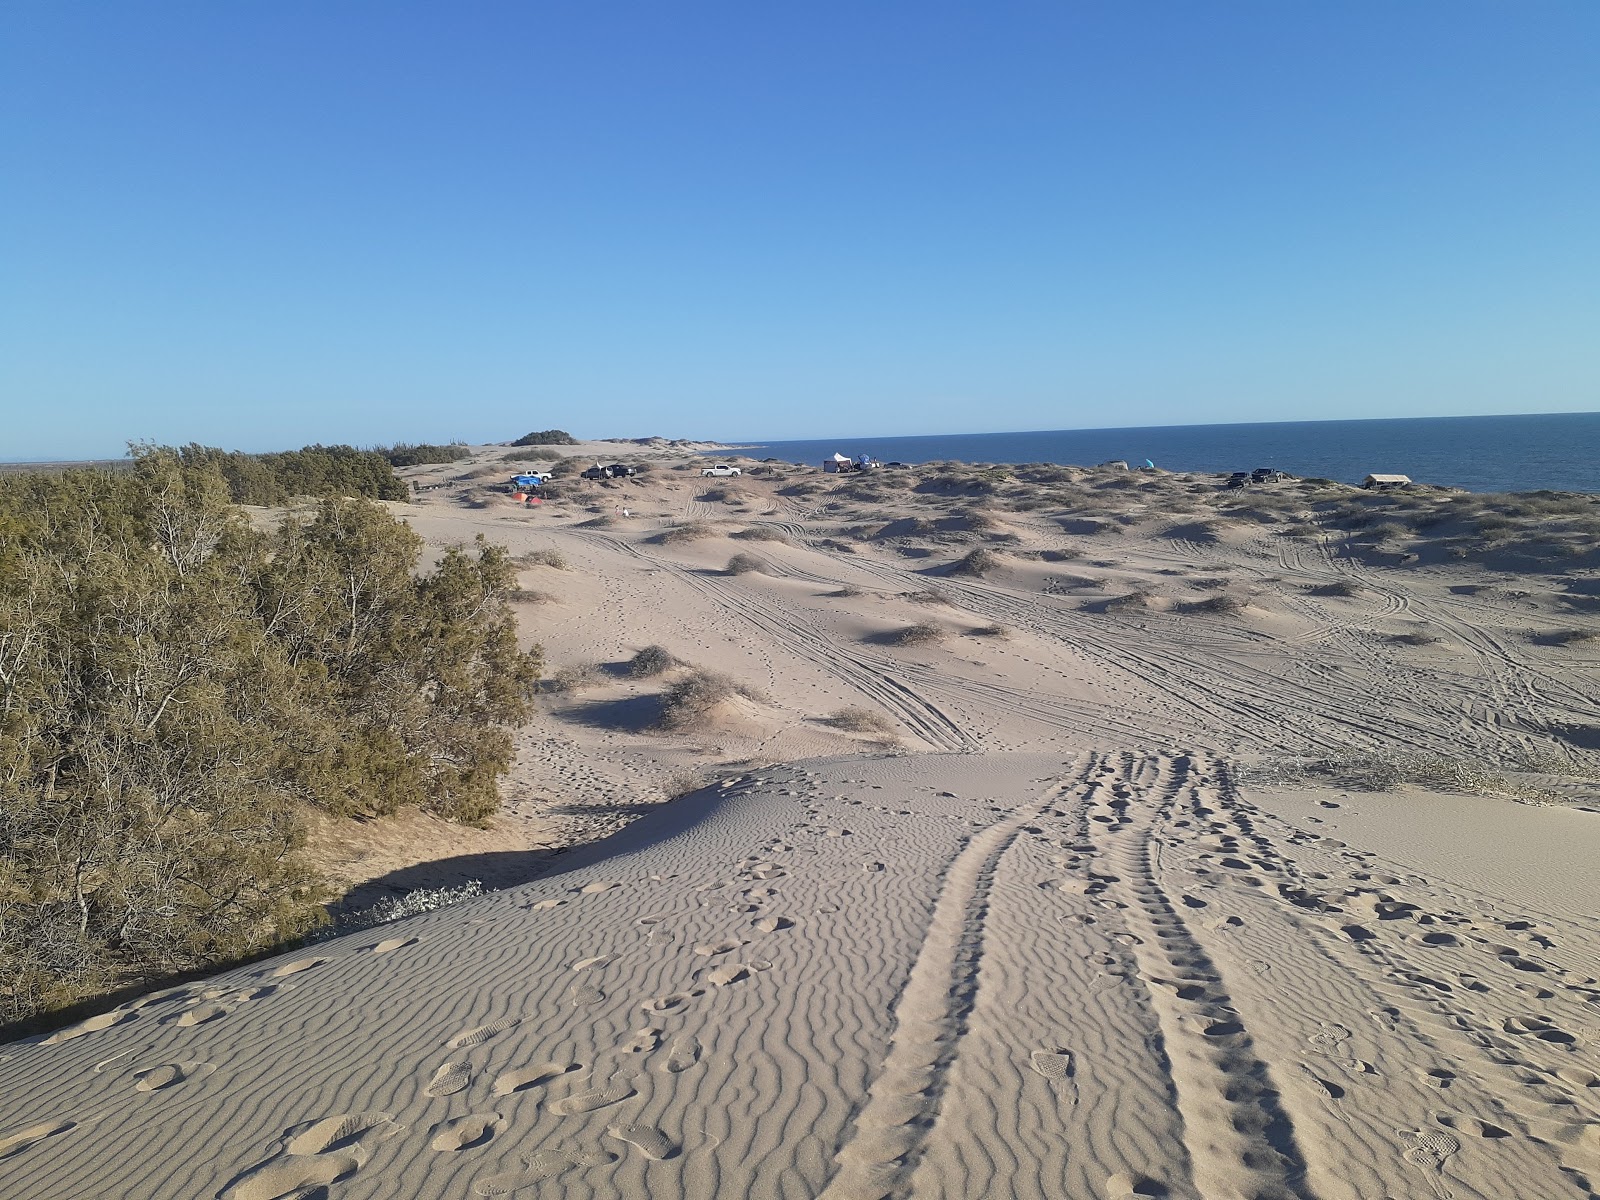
<point x="589" y="964"/>
<point x="390" y="945"/>
<point x="19" y="1140"/>
<point x="158" y="1079"/>
<point x="646" y="1139"/>
<point x="542" y="1166"/>
<point x="772" y="924"/>
<point x="462" y="1133"/>
<point x="520" y="1079"/>
<point x="730" y="974"/>
<point x="644" y="1040"/>
<point x="450" y="1078"/>
<point x="594" y="1098"/>
<point x="585" y="994"/>
<point x="1054" y="1065"/>
<point x="540" y="905"/>
<point x="1330" y="1039"/>
<point x="322" y="1153"/>
<point x="294" y="968"/>
<point x="347" y="1131"/>
<point x="682" y="1054"/>
<point x="710" y="949"/>
<point x="92" y="1025"/>
<point x="600" y="885"/>
<point x="476" y="1037"/>
<point x="1428" y="1151"/>
<point x="201" y="1014"/>
<point x="673" y="1002"/>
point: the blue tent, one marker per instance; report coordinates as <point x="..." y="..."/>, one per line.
<point x="526" y="481"/>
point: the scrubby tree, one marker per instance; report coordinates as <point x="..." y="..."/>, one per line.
<point x="177" y="686"/>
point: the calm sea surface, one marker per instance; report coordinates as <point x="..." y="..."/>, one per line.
<point x="1560" y="451"/>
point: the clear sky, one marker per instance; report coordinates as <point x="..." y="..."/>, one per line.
<point x="260" y="225"/>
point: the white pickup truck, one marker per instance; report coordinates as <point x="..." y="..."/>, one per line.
<point x="707" y="471"/>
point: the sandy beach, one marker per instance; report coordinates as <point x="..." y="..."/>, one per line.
<point x="1094" y="835"/>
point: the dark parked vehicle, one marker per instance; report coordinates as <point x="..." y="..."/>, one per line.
<point x="1238" y="479"/>
<point x="622" y="470"/>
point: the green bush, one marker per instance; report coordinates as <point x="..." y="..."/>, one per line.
<point x="546" y="437"/>
<point x="408" y="454"/>
<point x="177" y="685"/>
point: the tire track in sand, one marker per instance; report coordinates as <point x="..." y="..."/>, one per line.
<point x="886" y="1138"/>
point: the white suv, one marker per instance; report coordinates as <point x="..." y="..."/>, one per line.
<point x="705" y="471"/>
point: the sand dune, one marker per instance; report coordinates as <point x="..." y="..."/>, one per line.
<point x="1087" y="928"/>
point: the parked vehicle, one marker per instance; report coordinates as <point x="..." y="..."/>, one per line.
<point x="719" y="471"/>
<point x="622" y="470"/>
<point x="1238" y="479"/>
<point x="597" y="472"/>
<point x="1268" y="475"/>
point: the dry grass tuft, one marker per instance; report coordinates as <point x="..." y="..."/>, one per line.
<point x="916" y="635"/>
<point x="860" y="720"/>
<point x="976" y="562"/>
<point x="1341" y="587"/>
<point x="763" y="533"/>
<point x="530" y="596"/>
<point x="746" y="564"/>
<point x="1224" y="602"/>
<point x="543" y="558"/>
<point x="849" y="591"/>
<point x="652" y="660"/>
<point x="572" y="679"/>
<point x="927" y="596"/>
<point x="994" y="631"/>
<point x="691" y="531"/>
<point x="1416" y="637"/>
<point x="691" y="701"/>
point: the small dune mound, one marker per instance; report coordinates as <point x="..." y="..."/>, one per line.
<point x="689" y="531"/>
<point x="1222" y="602"/>
<point x="696" y="699"/>
<point x="978" y="563"/>
<point x="920" y="634"/>
<point x="652" y="660"/>
<point x="1340" y="587"/>
<point x="859" y="720"/>
<point x="746" y="564"/>
<point x="762" y="533"/>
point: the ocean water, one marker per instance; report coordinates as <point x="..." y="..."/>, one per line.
<point x="1559" y="451"/>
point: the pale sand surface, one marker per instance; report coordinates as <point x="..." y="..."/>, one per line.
<point x="1052" y="942"/>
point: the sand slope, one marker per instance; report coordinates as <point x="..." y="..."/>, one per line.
<point x="1050" y="935"/>
<point x="945" y="975"/>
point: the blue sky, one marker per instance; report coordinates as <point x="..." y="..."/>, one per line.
<point x="263" y="225"/>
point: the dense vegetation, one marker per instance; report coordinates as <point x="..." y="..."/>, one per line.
<point x="546" y="437"/>
<point x="272" y="479"/>
<point x="421" y="454"/>
<point x="177" y="687"/>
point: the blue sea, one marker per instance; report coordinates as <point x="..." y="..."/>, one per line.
<point x="1558" y="451"/>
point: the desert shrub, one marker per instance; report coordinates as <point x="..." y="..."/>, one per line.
<point x="860" y="720"/>
<point x="1061" y="554"/>
<point x="976" y="562"/>
<point x="314" y="471"/>
<point x="690" y="701"/>
<point x="179" y="684"/>
<point x="398" y="908"/>
<point x="691" y="531"/>
<point x="546" y="437"/>
<point x="1224" y="602"/>
<point x="994" y="631"/>
<point x="572" y="678"/>
<point x="1386" y="770"/>
<point x="763" y="533"/>
<point x="1388" y="531"/>
<point x="1415" y="637"/>
<point x="746" y="564"/>
<point x="1339" y="587"/>
<point x="530" y="596"/>
<point x="914" y="635"/>
<point x="652" y="660"/>
<point x="417" y="454"/>
<point x="1139" y="598"/>
<point x="543" y="558"/>
<point x="847" y="592"/>
<point x="926" y="596"/>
